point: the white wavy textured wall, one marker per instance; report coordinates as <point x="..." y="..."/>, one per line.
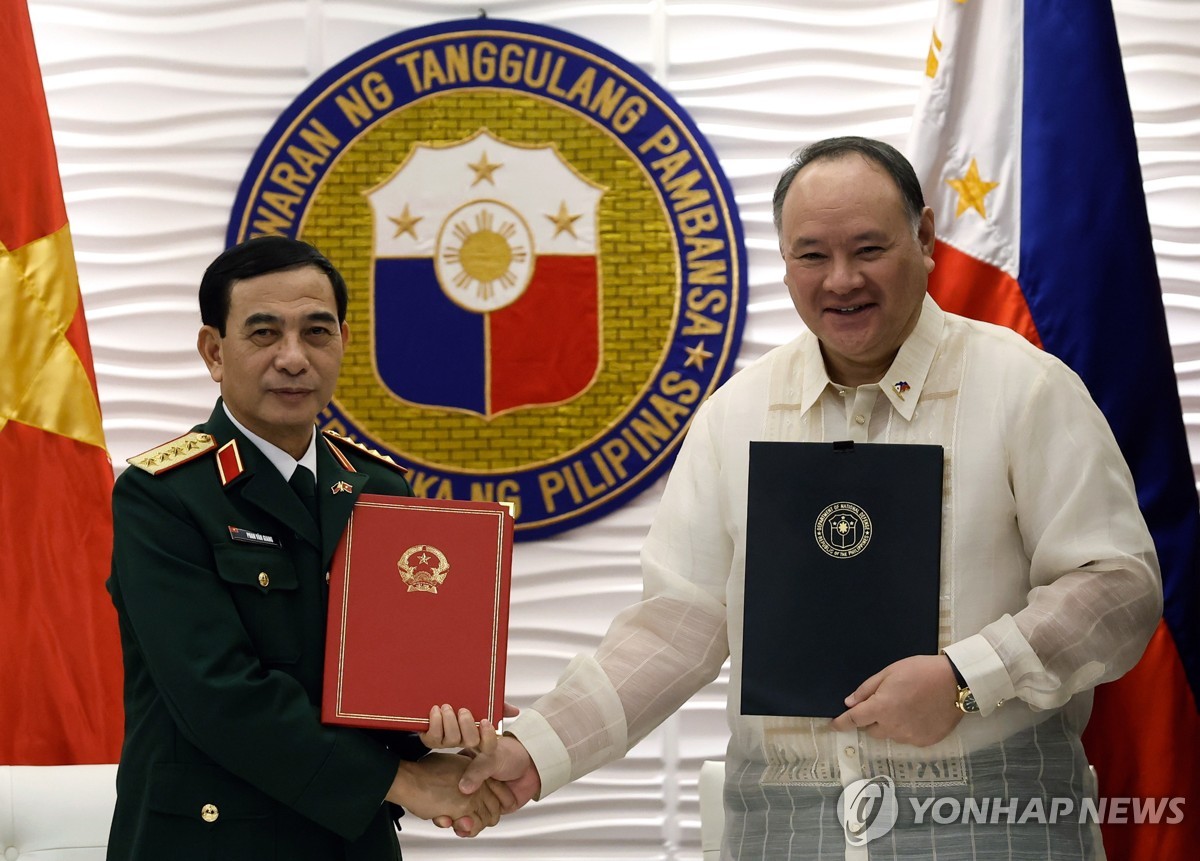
<point x="158" y="106"/>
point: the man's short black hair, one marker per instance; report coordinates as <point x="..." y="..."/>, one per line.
<point x="258" y="256"/>
<point x="877" y="152"/>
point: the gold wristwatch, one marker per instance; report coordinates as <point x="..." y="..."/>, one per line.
<point x="965" y="700"/>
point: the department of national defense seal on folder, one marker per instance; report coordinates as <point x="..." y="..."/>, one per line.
<point x="842" y="569"/>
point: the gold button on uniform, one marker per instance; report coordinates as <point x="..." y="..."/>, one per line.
<point x="850" y="751"/>
<point x="209" y="813"/>
<point x="264" y="579"/>
<point x="859" y="420"/>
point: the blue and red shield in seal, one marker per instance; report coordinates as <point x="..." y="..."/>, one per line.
<point x="486" y="251"/>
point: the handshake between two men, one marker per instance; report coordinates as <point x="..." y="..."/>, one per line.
<point x="496" y="775"/>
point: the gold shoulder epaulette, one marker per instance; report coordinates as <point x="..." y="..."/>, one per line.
<point x="174" y="453"/>
<point x="377" y="455"/>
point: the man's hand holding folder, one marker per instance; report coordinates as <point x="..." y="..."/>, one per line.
<point x="910" y="701"/>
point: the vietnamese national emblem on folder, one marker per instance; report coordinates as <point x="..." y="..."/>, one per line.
<point x="418" y="612"/>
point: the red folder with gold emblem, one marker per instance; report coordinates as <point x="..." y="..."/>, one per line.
<point x="418" y="612"/>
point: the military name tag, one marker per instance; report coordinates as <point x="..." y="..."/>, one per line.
<point x="245" y="536"/>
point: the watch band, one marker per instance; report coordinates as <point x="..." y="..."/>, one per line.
<point x="958" y="677"/>
<point x="965" y="700"/>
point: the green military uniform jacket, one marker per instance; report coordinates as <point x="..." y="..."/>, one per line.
<point x="219" y="580"/>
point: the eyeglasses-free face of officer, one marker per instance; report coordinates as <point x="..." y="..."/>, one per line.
<point x="278" y="358"/>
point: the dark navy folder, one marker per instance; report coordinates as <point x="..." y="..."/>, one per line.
<point x="843" y="544"/>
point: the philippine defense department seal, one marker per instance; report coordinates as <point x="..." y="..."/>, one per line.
<point x="545" y="262"/>
<point x="843" y="530"/>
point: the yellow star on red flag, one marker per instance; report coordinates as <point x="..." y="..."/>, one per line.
<point x="44" y="384"/>
<point x="55" y="475"/>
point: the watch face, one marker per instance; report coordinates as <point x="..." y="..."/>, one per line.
<point x="966" y="700"/>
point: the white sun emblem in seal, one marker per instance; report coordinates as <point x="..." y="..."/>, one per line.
<point x="484" y="257"/>
<point x="843" y="530"/>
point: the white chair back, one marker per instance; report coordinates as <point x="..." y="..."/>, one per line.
<point x="56" y="812"/>
<point x="712" y="808"/>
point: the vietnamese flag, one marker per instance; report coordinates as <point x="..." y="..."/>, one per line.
<point x="1024" y="143"/>
<point x="60" y="657"/>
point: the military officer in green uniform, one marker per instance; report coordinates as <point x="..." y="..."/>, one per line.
<point x="222" y="542"/>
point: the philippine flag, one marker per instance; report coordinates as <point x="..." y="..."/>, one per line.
<point x="1023" y="139"/>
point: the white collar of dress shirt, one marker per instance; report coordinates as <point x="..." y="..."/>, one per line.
<point x="284" y="462"/>
<point x="911" y="365"/>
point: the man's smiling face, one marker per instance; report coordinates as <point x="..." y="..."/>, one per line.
<point x="856" y="272"/>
